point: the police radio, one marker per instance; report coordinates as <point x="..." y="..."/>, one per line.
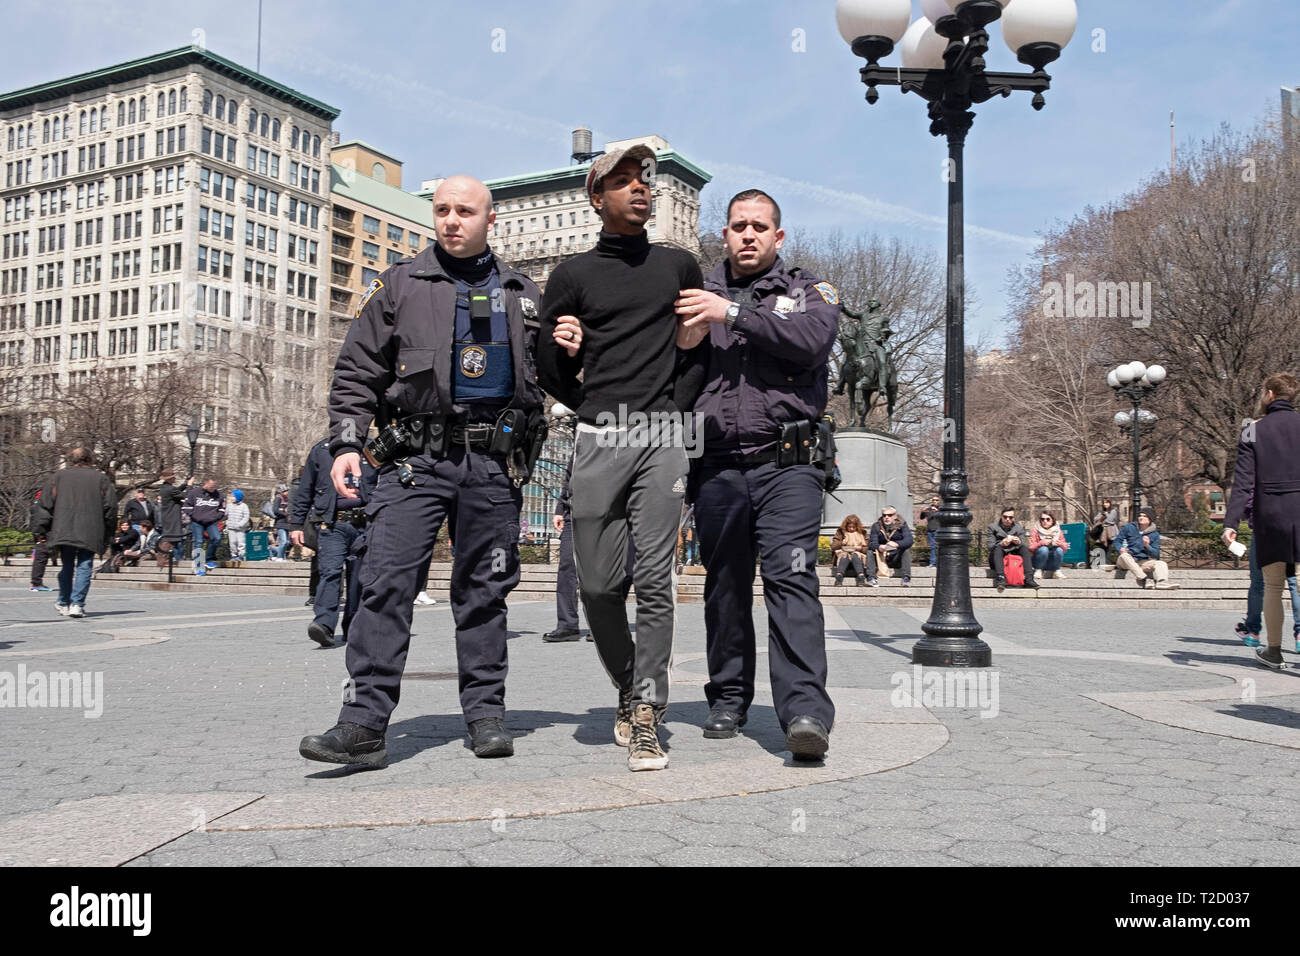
<point x="392" y="442"/>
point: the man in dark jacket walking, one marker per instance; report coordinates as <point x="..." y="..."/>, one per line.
<point x="40" y="549"/>
<point x="1267" y="480"/>
<point x="76" y="512"/>
<point x="207" y="509"/>
<point x="171" y="499"/>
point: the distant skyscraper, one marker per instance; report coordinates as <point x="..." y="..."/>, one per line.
<point x="1290" y="113"/>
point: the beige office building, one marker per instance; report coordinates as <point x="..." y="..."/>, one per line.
<point x="374" y="224"/>
<point x="169" y="206"/>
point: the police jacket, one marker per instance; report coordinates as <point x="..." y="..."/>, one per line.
<point x="398" y="354"/>
<point x="770" y="367"/>
<point x="315" y="496"/>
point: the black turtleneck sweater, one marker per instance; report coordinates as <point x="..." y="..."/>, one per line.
<point x="471" y="269"/>
<point x="622" y="292"/>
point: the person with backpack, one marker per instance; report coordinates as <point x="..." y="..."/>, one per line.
<point x="1008" y="541"/>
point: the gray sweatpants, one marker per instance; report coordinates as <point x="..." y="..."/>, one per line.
<point x="617" y="490"/>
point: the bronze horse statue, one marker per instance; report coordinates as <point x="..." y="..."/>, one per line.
<point x="868" y="371"/>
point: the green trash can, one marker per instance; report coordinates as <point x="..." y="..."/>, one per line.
<point x="1076" y="543"/>
<point x="257" y="546"/>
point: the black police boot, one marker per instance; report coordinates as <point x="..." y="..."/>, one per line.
<point x="311" y="599"/>
<point x="488" y="738"/>
<point x="320" y="634"/>
<point x="807" y="739"/>
<point x="346" y="743"/>
<point x="723" y="724"/>
<point x="562" y="634"/>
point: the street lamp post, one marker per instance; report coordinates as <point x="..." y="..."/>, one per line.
<point x="943" y="62"/>
<point x="1136" y="382"/>
<point x="192" y="433"/>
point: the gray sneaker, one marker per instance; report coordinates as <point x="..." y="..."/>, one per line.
<point x="75" y="610"/>
<point x="623" y="718"/>
<point x="645" y="752"/>
<point x="1270" y="657"/>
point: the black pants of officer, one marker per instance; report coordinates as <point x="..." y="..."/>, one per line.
<point x="566" y="583"/>
<point x="774" y="514"/>
<point x="471" y="488"/>
<point x="334" y="558"/>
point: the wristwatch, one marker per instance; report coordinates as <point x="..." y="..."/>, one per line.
<point x="733" y="313"/>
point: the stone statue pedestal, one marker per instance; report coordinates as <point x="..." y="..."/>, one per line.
<point x="873" y="468"/>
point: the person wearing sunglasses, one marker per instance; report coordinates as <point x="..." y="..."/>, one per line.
<point x="1047" y="545"/>
<point x="890" y="544"/>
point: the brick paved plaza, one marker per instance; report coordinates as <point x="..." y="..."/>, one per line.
<point x="1099" y="737"/>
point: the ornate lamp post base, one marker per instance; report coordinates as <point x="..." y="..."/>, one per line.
<point x="952" y="633"/>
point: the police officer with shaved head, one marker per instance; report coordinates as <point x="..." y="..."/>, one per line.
<point x="440" y="359"/>
<point x="757" y="487"/>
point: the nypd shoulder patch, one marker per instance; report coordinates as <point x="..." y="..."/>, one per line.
<point x="828" y="293"/>
<point x="375" y="286"/>
<point x="528" y="306"/>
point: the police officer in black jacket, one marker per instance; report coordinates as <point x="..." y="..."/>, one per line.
<point x="757" y="492"/>
<point x="339" y="525"/>
<point x="440" y="357"/>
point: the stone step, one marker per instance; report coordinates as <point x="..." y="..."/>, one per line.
<point x="293" y="570"/>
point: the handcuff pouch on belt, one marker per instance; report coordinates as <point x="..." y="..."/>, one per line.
<point x="528" y="431"/>
<point x="795" y="443"/>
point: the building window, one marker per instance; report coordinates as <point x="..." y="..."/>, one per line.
<point x="370" y="224"/>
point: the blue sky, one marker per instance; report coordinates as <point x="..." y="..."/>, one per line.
<point x="720" y="80"/>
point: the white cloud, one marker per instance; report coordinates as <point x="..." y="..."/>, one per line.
<point x="872" y="211"/>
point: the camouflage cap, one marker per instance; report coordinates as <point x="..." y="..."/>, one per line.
<point x="603" y="165"/>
